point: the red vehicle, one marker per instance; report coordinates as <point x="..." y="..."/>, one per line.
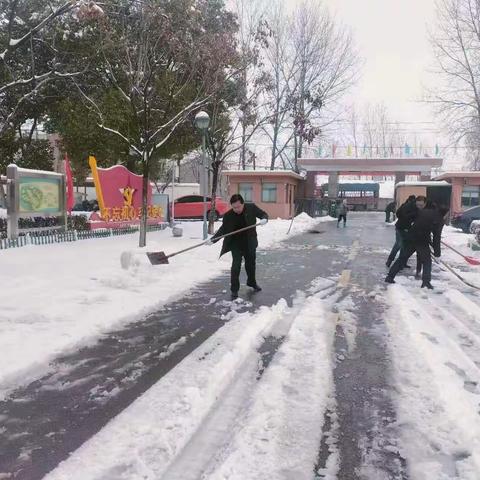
<point x="191" y="206"/>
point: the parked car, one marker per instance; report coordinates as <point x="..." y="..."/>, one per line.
<point x="191" y="206"/>
<point x="464" y="219"/>
<point x="86" y="206"/>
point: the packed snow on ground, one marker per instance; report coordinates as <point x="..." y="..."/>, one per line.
<point x="436" y="352"/>
<point x="460" y="241"/>
<point x="56" y="297"/>
<point x="215" y="416"/>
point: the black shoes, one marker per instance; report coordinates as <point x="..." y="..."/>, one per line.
<point x="234" y="295"/>
<point x="427" y="285"/>
<point x="389" y="279"/>
<point x="255" y="287"/>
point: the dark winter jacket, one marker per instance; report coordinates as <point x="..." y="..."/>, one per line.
<point x="406" y="214"/>
<point x="342" y="209"/>
<point x="427" y="229"/>
<point x="230" y="223"/>
<point x="390" y="207"/>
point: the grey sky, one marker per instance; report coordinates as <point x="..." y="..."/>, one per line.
<point x="392" y="38"/>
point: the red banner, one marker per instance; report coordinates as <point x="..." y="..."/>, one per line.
<point x="69" y="178"/>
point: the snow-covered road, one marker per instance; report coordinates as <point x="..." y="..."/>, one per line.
<point x="326" y="374"/>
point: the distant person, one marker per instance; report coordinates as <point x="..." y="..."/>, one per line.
<point x="389" y="210"/>
<point x="342" y="213"/>
<point x="426" y="231"/>
<point x="243" y="245"/>
<point x="405" y="217"/>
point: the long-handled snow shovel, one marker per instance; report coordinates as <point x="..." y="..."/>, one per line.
<point x="293" y="218"/>
<point x="159" y="258"/>
<point x="470" y="260"/>
<point x="441" y="263"/>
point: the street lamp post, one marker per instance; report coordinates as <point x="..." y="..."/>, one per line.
<point x="202" y="120"/>
<point x="173" y="195"/>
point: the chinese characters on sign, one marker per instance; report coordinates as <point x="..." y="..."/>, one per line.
<point x="126" y="213"/>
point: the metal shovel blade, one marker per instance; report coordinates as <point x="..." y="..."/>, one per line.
<point x="157" y="258"/>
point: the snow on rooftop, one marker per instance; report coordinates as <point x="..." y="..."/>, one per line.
<point x="433" y="183"/>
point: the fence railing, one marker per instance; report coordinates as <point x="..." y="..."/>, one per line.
<point x="318" y="207"/>
<point x="50" y="237"/>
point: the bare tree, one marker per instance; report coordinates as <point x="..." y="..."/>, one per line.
<point x="227" y="136"/>
<point x="456" y="44"/>
<point x="472" y="143"/>
<point x="253" y="35"/>
<point x="282" y="66"/>
<point x="354" y="129"/>
<point x="328" y="67"/>
<point x="373" y="132"/>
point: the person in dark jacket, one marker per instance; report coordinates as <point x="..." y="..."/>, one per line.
<point x="243" y="245"/>
<point x="342" y="211"/>
<point x="443" y="211"/>
<point x="426" y="231"/>
<point x="405" y="216"/>
<point x="390" y="208"/>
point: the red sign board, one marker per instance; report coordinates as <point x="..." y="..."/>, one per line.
<point x="119" y="195"/>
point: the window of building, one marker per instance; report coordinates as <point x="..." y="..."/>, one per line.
<point x="269" y="192"/>
<point x="470" y="196"/>
<point x="246" y="191"/>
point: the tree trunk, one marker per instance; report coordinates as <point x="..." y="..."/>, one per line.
<point x="295" y="146"/>
<point x="274" y="143"/>
<point x="143" y="222"/>
<point x="213" y="203"/>
<point x="244" y="147"/>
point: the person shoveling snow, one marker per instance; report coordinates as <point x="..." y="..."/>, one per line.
<point x="243" y="245"/>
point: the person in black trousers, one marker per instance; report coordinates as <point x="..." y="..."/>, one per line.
<point x="342" y="211"/>
<point x="242" y="245"/>
<point x="405" y="216"/>
<point x="427" y="223"/>
<point x="442" y="212"/>
<point x="390" y="208"/>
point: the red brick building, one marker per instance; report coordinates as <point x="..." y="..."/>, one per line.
<point x="272" y="191"/>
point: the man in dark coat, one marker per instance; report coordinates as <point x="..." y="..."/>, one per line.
<point x="426" y="231"/>
<point x="405" y="216"/>
<point x="342" y="211"/>
<point x="390" y="208"/>
<point x="242" y="245"/>
<point x="442" y="210"/>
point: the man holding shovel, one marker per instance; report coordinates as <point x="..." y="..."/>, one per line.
<point x="242" y="245"/>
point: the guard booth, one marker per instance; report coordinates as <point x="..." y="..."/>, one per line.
<point x="438" y="192"/>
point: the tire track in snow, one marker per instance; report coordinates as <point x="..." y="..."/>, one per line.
<point x="280" y="434"/>
<point x="205" y="448"/>
<point x="188" y="404"/>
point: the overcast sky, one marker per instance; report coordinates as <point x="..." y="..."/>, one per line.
<point x="392" y="37"/>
